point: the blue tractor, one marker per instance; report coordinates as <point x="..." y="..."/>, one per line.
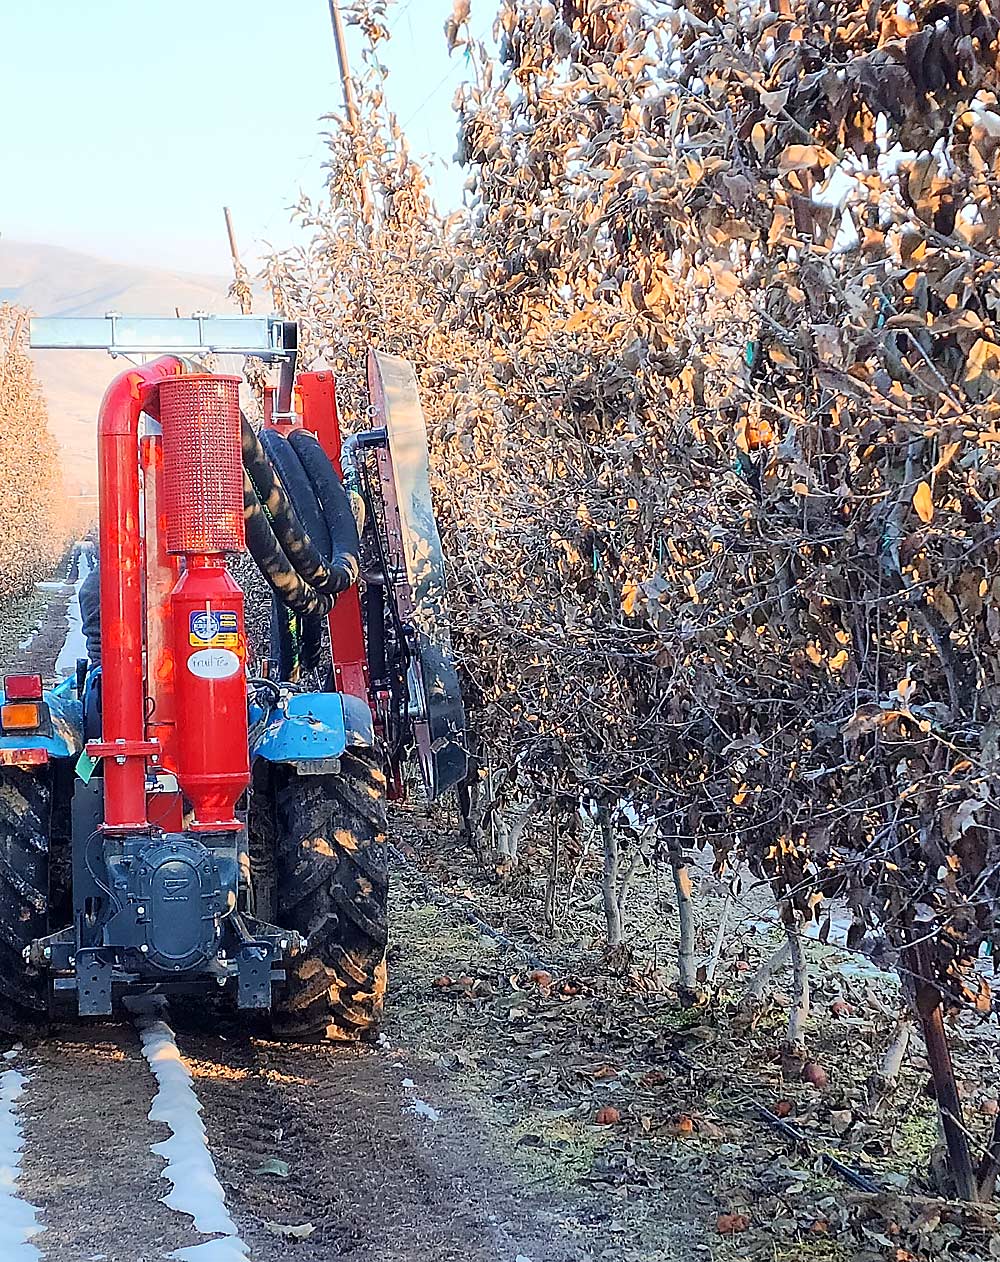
<point x="199" y="805"/>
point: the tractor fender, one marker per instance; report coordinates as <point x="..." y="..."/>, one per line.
<point x="64" y="739"/>
<point x="310" y="727"/>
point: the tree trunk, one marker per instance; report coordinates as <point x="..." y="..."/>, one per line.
<point x="989" y="1167"/>
<point x="687" y="965"/>
<point x="626" y="881"/>
<point x="720" y="940"/>
<point x="470" y="805"/>
<point x="521" y="822"/>
<point x="510" y="834"/>
<point x="585" y="832"/>
<point x="956" y="1139"/>
<point x="762" y="978"/>
<point x="882" y="1083"/>
<point x="799" y="1015"/>
<point x="552" y="884"/>
<point x="609" y="887"/>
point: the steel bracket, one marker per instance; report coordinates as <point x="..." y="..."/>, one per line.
<point x="253" y="975"/>
<point x="93" y="982"/>
<point x="123" y="749"/>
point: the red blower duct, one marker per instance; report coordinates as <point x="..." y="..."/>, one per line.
<point x="203" y="494"/>
<point x="123" y="700"/>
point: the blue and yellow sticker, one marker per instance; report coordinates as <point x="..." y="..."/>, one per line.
<point x="214" y="629"/>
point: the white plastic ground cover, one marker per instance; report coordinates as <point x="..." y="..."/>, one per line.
<point x="418" y="1106"/>
<point x="190" y="1169"/>
<point x="75" y="646"/>
<point x="18" y="1219"/>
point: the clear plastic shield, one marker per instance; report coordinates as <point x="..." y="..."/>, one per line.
<point x="418" y="576"/>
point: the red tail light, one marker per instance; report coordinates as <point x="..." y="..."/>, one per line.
<point x="22" y="687"/>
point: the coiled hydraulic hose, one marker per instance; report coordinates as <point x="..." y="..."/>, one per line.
<point x="301" y="533"/>
<point x="280" y="515"/>
<point x="273" y="562"/>
<point x="296" y="641"/>
<point x="266" y="474"/>
<point x="334" y="503"/>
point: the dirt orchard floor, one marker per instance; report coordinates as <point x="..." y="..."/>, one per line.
<point x="87" y="1164"/>
<point x="382" y="1152"/>
<point x="379" y="1154"/>
<point x="524" y="1102"/>
<point x="681" y="1087"/>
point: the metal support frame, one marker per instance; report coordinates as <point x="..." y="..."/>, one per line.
<point x="266" y="337"/>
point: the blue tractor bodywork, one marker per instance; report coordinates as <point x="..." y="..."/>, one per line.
<point x="294" y="728"/>
<point x="129" y="902"/>
<point x="306" y="729"/>
<point x="64" y="737"/>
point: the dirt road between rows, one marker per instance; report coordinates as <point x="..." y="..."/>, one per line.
<point x="380" y="1153"/>
<point x="322" y="1154"/>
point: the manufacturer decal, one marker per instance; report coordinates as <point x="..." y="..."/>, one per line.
<point x="214" y="628"/>
<point x="213" y="663"/>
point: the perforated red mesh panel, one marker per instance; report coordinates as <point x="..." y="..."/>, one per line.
<point x="202" y="463"/>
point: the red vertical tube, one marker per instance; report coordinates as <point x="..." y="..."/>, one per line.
<point x="318" y="392"/>
<point x="123" y="698"/>
<point x="162" y="571"/>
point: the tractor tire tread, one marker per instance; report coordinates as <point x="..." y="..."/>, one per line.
<point x="332" y="887"/>
<point x="25" y="825"/>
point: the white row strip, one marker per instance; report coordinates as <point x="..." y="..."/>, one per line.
<point x="18" y="1219"/>
<point x="418" y="1106"/>
<point x="190" y="1169"/>
<point x="75" y="645"/>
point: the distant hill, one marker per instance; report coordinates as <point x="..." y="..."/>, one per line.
<point x="52" y="281"/>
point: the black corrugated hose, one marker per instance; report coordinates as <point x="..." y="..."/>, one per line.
<point x="302" y="535"/>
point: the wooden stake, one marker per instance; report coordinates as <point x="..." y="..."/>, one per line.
<point x="339" y="39"/>
<point x="350" y="104"/>
<point x="15" y="340"/>
<point x="240" y="289"/>
<point x="232" y="236"/>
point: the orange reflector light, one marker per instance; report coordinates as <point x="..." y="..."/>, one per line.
<point x="20" y="715"/>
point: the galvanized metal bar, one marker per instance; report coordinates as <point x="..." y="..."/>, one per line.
<point x="154" y="335"/>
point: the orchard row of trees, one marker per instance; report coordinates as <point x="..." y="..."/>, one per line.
<point x="713" y="367"/>
<point x="32" y="529"/>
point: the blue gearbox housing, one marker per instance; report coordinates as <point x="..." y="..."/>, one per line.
<point x="171" y="894"/>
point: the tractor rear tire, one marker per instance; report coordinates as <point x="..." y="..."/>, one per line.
<point x="25" y="826"/>
<point x="332" y="886"/>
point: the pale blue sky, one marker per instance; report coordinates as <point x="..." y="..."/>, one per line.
<point x="128" y="124"/>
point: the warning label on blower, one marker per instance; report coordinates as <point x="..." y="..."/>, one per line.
<point x="215" y="629"/>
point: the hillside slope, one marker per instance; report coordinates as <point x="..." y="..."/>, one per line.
<point x="49" y="280"/>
